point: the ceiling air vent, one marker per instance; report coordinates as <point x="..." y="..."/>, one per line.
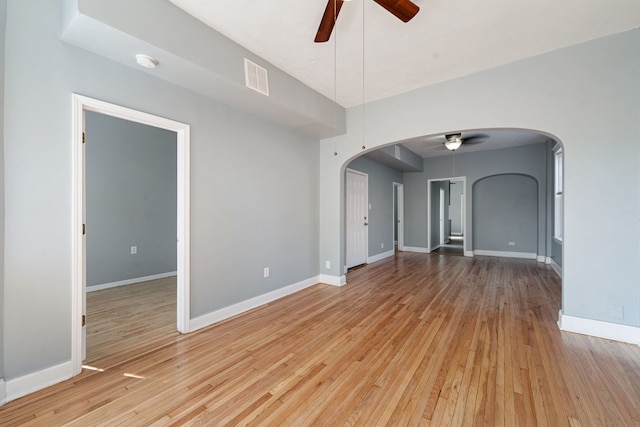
<point x="256" y="77"/>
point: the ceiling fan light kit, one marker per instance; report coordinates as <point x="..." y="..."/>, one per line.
<point x="453" y="142"/>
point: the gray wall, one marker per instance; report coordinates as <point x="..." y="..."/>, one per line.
<point x="381" y="179"/>
<point x="3" y="10"/>
<point x="505" y="209"/>
<point x="455" y="206"/>
<point x="580" y="95"/>
<point x="527" y="159"/>
<point x="131" y="197"/>
<point x="254" y="187"/>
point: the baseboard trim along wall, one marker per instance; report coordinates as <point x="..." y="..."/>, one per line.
<point x="598" y="328"/>
<point x="555" y="267"/>
<point x="333" y="280"/>
<point x="3" y="392"/>
<point x="416" y="249"/>
<point x="235" y="309"/>
<point x="504" y="254"/>
<point x="35" y="381"/>
<point x="381" y="256"/>
<point x="131" y="281"/>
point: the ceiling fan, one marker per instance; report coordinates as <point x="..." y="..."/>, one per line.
<point x="402" y="9"/>
<point x="453" y="141"/>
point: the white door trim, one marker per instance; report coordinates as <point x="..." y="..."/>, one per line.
<point x="467" y="239"/>
<point x="367" y="218"/>
<point x="80" y="105"/>
<point x="400" y="219"/>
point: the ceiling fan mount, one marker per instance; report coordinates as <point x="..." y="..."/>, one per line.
<point x="404" y="10"/>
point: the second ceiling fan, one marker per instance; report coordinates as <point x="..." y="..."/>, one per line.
<point x="402" y="9"/>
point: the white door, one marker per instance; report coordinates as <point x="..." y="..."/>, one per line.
<point x="357" y="217"/>
<point x="442" y="219"/>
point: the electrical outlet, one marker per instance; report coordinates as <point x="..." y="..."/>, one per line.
<point x="512" y="243"/>
<point x="134" y="250"/>
<point x="327" y="265"/>
<point x="266" y="272"/>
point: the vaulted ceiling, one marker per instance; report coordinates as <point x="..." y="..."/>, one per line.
<point x="445" y="40"/>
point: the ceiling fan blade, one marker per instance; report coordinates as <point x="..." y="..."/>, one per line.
<point x="328" y="20"/>
<point x="474" y="139"/>
<point x="402" y="9"/>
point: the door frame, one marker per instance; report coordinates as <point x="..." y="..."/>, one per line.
<point x="463" y="179"/>
<point x="367" y="218"/>
<point x="399" y="188"/>
<point x="80" y="104"/>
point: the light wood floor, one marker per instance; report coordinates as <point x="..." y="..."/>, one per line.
<point x="128" y="321"/>
<point x="413" y="340"/>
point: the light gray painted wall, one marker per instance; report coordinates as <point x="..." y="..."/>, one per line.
<point x="505" y="209"/>
<point x="581" y="95"/>
<point x="455" y="206"/>
<point x="3" y="11"/>
<point x="131" y="197"/>
<point x="381" y="179"/>
<point x="528" y="160"/>
<point x="254" y="187"/>
<point x="556" y="252"/>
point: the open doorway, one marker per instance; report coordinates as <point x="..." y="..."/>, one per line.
<point x="446" y="215"/>
<point x="131" y="252"/>
<point x="82" y="106"/>
<point x="398" y="216"/>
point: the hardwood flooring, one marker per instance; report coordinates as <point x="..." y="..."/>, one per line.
<point x="127" y="321"/>
<point x="413" y="340"/>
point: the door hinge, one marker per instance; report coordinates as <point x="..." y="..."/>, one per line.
<point x="84" y="320"/>
<point x="83" y="137"/>
<point x="84" y="229"/>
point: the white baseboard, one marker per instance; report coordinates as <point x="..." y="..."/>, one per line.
<point x="235" y="309"/>
<point x="30" y="383"/>
<point x="333" y="280"/>
<point x="130" y="281"/>
<point x="555" y="267"/>
<point x="3" y="392"/>
<point x="547" y="260"/>
<point x="541" y="258"/>
<point x="381" y="256"/>
<point x="416" y="249"/>
<point x="598" y="328"/>
<point x="504" y="254"/>
<point x="468" y="253"/>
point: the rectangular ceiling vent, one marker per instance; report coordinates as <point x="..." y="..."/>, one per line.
<point x="256" y="77"/>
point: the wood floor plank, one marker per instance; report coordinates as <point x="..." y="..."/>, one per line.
<point x="413" y="340"/>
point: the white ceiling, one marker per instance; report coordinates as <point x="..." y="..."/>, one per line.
<point x="447" y="39"/>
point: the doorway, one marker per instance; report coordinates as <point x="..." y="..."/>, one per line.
<point x="446" y="215"/>
<point x="398" y="216"/>
<point x="131" y="199"/>
<point x="357" y="218"/>
<point x="81" y="105"/>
